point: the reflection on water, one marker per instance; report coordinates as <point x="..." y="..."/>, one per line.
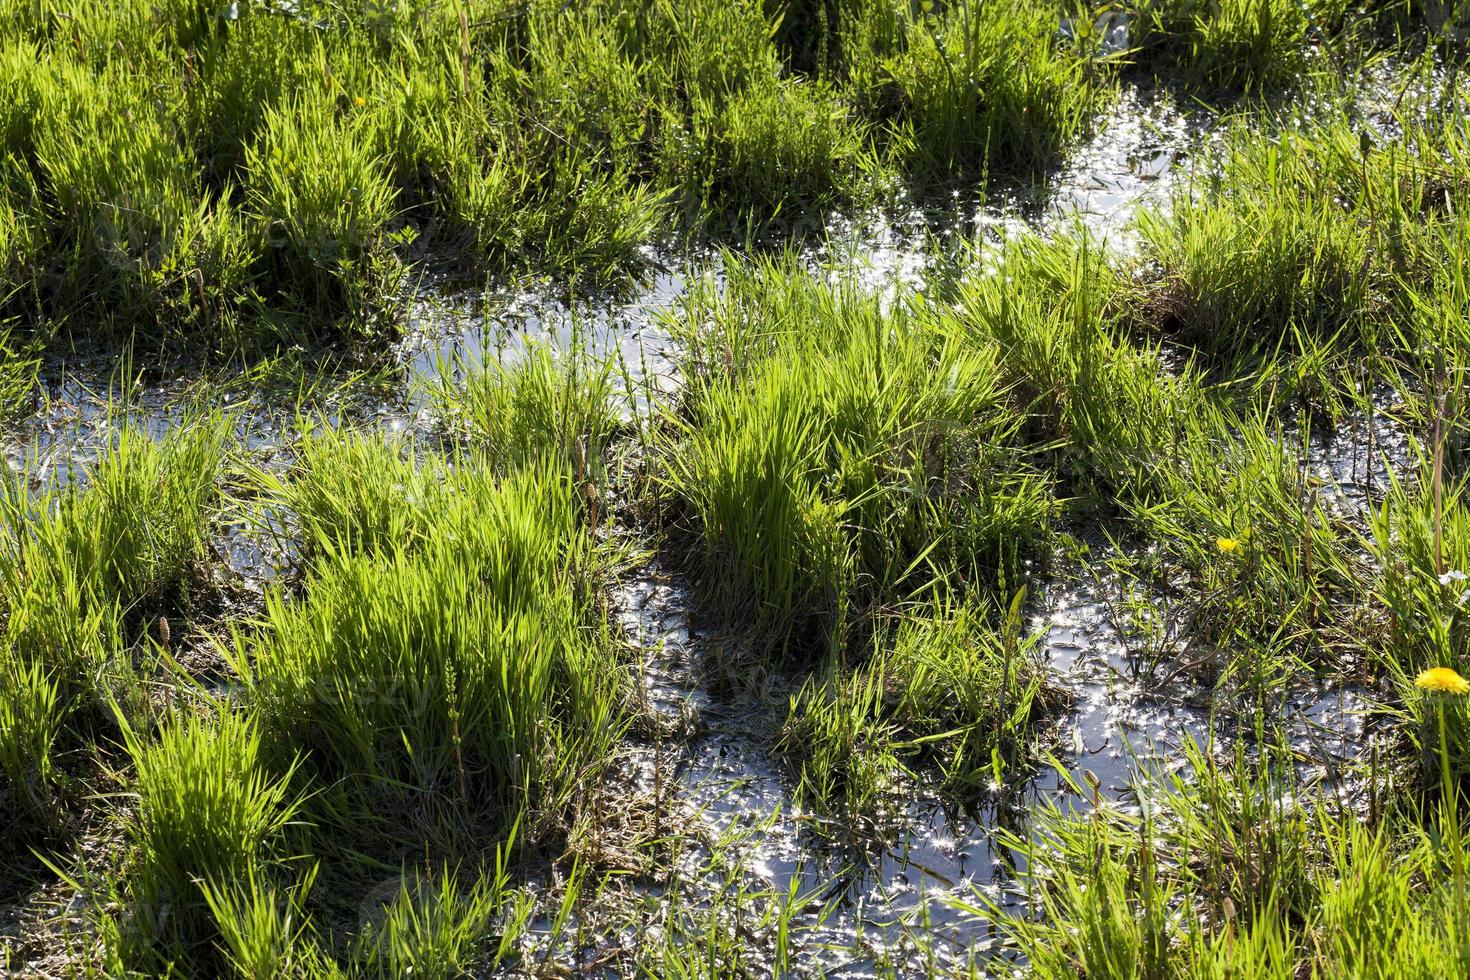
<point x="716" y="775"/>
<point x="1134" y="158"/>
<point x="911" y="904"/>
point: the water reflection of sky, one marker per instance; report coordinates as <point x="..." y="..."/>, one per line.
<point x="723" y="777"/>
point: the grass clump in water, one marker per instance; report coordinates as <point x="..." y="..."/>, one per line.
<point x="1421" y="540"/>
<point x="453" y="663"/>
<point x="210" y="815"/>
<point x="442" y="925"/>
<point x="138" y="239"/>
<point x="974" y="88"/>
<point x="953" y="90"/>
<point x="542" y="404"/>
<point x="1232" y="45"/>
<point x="89" y="571"/>
<point x="324" y="200"/>
<point x="356" y="493"/>
<point x="1271" y="888"/>
<point x="1188" y="463"/>
<point x="831" y="451"/>
<point x="944" y="693"/>
<point x="1305" y="247"/>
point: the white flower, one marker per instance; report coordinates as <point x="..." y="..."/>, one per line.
<point x="1453" y="575"/>
<point x="1464" y="598"/>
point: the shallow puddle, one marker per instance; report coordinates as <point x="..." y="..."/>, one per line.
<point x="909" y="905"/>
<point x="1138" y="153"/>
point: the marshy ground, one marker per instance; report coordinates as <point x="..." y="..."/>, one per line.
<point x="839" y="488"/>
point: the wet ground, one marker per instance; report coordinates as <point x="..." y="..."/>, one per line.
<point x="1139" y="153"/>
<point x="910" y="905"/>
<point x="726" y="797"/>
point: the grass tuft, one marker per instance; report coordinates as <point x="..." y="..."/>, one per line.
<point x="832" y="450"/>
<point x="208" y="812"/>
<point x="88" y="569"/>
<point x="453" y="661"/>
<point x="945" y="693"/>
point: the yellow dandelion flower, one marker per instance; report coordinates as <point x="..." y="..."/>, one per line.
<point x="1442" y="680"/>
<point x="361" y="102"/>
<point x="1227" y="545"/>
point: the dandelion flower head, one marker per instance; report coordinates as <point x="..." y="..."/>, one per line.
<point x="1442" y="680"/>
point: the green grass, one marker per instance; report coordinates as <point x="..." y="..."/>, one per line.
<point x="1225" y="874"/>
<point x="1232" y="45"/>
<point x="265" y="929"/>
<point x="830" y="451"/>
<point x="973" y="88"/>
<point x="1420" y="540"/>
<point x="1311" y="244"/>
<point x="323" y="199"/>
<point x="213" y="882"/>
<point x="354" y="494"/>
<point x="944" y="694"/>
<point x="959" y="89"/>
<point x="456" y="657"/>
<point x="91" y="569"/>
<point x="237" y="182"/>
<point x="209" y="816"/>
<point x="442" y="926"/>
<point x="540" y="405"/>
<point x="1187" y="462"/>
<point x="444" y="675"/>
<point x="121" y="207"/>
<point x="19" y="370"/>
<point x="422" y="744"/>
<point x="32" y="716"/>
